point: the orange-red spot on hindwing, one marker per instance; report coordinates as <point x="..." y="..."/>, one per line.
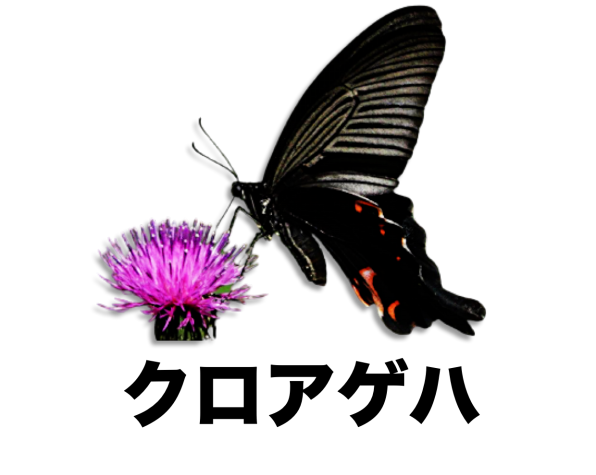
<point x="391" y="309"/>
<point x="360" y="203"/>
<point x="360" y="296"/>
<point x="368" y="274"/>
<point x="398" y="258"/>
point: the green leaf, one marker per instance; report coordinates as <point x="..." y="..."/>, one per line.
<point x="224" y="289"/>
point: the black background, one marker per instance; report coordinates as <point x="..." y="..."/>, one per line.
<point x="250" y="73"/>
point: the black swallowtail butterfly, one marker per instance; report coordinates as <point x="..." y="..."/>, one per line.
<point x="334" y="169"/>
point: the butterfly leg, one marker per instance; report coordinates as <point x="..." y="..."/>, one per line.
<point x="258" y="236"/>
<point x="240" y="208"/>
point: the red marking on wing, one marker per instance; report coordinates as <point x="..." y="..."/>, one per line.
<point x="391" y="309"/>
<point x="360" y="203"/>
<point x="360" y="296"/>
<point x="398" y="258"/>
<point x="368" y="274"/>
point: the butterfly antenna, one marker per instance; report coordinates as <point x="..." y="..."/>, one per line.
<point x="219" y="150"/>
<point x="218" y="163"/>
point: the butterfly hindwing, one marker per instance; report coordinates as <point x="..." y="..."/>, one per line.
<point x="384" y="259"/>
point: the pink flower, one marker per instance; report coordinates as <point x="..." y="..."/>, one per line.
<point x="180" y="273"/>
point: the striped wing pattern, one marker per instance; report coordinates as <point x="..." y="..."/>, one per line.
<point x="378" y="108"/>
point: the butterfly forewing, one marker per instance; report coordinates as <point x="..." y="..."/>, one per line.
<point x="369" y="101"/>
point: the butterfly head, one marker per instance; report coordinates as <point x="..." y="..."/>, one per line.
<point x="238" y="190"/>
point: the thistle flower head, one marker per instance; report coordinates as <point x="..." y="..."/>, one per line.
<point x="180" y="273"/>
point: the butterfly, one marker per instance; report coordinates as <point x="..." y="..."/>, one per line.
<point x="333" y="173"/>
